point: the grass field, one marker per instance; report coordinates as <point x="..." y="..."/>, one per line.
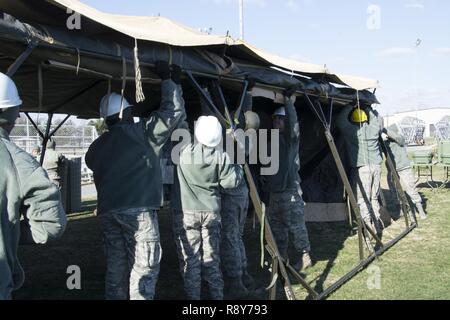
<point x="418" y="267"/>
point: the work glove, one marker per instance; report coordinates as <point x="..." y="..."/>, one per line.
<point x="290" y="91"/>
<point x="162" y="69"/>
<point x="251" y="83"/>
<point x="176" y="74"/>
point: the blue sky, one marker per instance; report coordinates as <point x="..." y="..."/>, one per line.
<point x="374" y="39"/>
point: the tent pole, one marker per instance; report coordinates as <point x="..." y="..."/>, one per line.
<point x="348" y="189"/>
<point x="398" y="185"/>
<point x="46" y="137"/>
<point x="362" y="227"/>
<point x="254" y="195"/>
<point x="241" y="100"/>
<point x="206" y="98"/>
<point x="270" y="239"/>
<point x="364" y="263"/>
<point x="59" y="126"/>
<point x="21" y="59"/>
<point x="35" y="126"/>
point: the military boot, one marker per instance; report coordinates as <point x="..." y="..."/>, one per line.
<point x="303" y="263"/>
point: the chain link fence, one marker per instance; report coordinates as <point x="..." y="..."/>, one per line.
<point x="71" y="140"/>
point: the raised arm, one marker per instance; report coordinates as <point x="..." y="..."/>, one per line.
<point x="163" y="121"/>
<point x="292" y="119"/>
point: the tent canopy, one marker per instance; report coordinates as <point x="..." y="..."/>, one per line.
<point x="165" y="31"/>
<point x="76" y="67"/>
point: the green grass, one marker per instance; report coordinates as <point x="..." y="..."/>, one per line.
<point x="418" y="267"/>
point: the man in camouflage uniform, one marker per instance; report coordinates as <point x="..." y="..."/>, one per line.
<point x="396" y="147"/>
<point x="234" y="210"/>
<point x="285" y="211"/>
<point x="127" y="174"/>
<point x="361" y="128"/>
<point x="202" y="170"/>
<point x="52" y="163"/>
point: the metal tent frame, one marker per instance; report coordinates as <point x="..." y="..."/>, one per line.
<point x="279" y="265"/>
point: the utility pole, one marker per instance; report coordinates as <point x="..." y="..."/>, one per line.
<point x="416" y="57"/>
<point x="241" y="19"/>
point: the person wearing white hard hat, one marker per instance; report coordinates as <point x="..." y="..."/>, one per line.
<point x="202" y="170"/>
<point x="127" y="174"/>
<point x="285" y="210"/>
<point x="25" y="190"/>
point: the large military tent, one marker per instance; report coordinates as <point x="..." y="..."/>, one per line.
<point x="70" y="69"/>
<point x="65" y="65"/>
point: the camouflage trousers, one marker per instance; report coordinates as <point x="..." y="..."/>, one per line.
<point x="286" y="216"/>
<point x="197" y="238"/>
<point x="366" y="186"/>
<point x="408" y="183"/>
<point x="232" y="248"/>
<point x="133" y="253"/>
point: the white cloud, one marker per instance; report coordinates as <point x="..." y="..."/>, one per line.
<point x="416" y="5"/>
<point x="396" y="52"/>
<point x="442" y="51"/>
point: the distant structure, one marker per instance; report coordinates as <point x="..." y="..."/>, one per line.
<point x="429" y="118"/>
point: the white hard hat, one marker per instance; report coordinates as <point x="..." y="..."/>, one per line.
<point x="111" y="105"/>
<point x="208" y="131"/>
<point x="280" y="112"/>
<point x="9" y="97"/>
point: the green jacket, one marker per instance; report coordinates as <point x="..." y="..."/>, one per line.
<point x="287" y="178"/>
<point x="396" y="147"/>
<point x="362" y="142"/>
<point x="52" y="160"/>
<point x="201" y="173"/>
<point x="25" y="190"/>
<point x="126" y="159"/>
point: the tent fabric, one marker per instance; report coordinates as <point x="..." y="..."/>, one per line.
<point x="102" y="57"/>
<point x="162" y="30"/>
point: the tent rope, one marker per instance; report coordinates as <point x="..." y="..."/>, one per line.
<point x="140" y="97"/>
<point x="124" y="83"/>
<point x="78" y="61"/>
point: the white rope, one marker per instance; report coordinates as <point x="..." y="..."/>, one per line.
<point x="137" y="75"/>
<point x="79" y="61"/>
<point x="124" y="83"/>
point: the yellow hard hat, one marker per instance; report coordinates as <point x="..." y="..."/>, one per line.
<point x="358" y="116"/>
